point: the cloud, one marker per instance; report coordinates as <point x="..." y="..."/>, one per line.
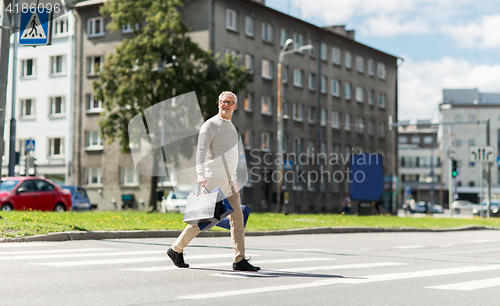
<point x="476" y="35"/>
<point x="421" y="83"/>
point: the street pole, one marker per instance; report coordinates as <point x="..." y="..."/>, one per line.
<point x="4" y="70"/>
<point x="489" y="168"/>
<point x="481" y="198"/>
<point x="12" y="140"/>
<point x="450" y="177"/>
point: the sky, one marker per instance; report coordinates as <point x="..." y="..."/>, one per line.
<point x="444" y="43"/>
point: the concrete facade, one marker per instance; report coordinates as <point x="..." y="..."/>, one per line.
<point x="367" y="113"/>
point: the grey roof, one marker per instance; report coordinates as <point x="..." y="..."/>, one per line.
<point x="470" y="97"/>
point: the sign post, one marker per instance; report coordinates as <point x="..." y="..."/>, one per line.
<point x="30" y="146"/>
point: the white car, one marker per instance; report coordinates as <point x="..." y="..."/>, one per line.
<point x="459" y="206"/>
<point x="176" y="201"/>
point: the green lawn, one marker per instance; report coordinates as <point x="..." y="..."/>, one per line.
<point x="29" y="223"/>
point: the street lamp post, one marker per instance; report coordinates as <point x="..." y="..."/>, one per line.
<point x="279" y="134"/>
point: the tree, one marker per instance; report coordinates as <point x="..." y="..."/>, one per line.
<point x="156" y="62"/>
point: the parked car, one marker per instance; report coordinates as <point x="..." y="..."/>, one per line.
<point x="459" y="206"/>
<point x="420" y="207"/>
<point x="33" y="193"/>
<point x="176" y="201"/>
<point x="494" y="208"/>
<point x="79" y="197"/>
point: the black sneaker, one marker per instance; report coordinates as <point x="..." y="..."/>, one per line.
<point x="177" y="258"/>
<point x="244" y="265"/>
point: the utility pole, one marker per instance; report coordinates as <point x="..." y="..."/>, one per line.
<point x="5" y="32"/>
<point x="12" y="140"/>
<point x="489" y="168"/>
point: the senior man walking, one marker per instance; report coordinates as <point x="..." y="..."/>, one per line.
<point x="216" y="164"/>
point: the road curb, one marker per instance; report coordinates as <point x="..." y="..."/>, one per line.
<point x="100" y="235"/>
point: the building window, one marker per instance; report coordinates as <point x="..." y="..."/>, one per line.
<point x="21" y="147"/>
<point x="286" y="113"/>
<point x="371" y="97"/>
<point x="312" y="52"/>
<point x="415" y="140"/>
<point x="371" y="67"/>
<point x="249" y="63"/>
<point x="347" y="91"/>
<point x="93" y="140"/>
<point x="94" y="64"/>
<point x="267" y="32"/>
<point x="311" y="118"/>
<point x="360" y="125"/>
<point x="347" y="122"/>
<point x="249" y="28"/>
<point x="472" y="142"/>
<point x="265" y="142"/>
<point x="472" y="183"/>
<point x="248" y="103"/>
<point x="60" y="26"/>
<point x="284" y="143"/>
<point x="371" y="127"/>
<point x="284" y="76"/>
<point x="311" y="147"/>
<point x="322" y="84"/>
<point x="381" y="100"/>
<point x="57" y="106"/>
<point x="27" y="108"/>
<point x="28" y="68"/>
<point x="335" y="120"/>
<point x="297" y="77"/>
<point x="472" y="118"/>
<point x="324" y="52"/>
<point x="93" y="176"/>
<point x="381" y="129"/>
<point x="128" y="28"/>
<point x="248" y="139"/>
<point x="336" y="56"/>
<point x="322" y="117"/>
<point x="95" y="27"/>
<point x="428" y="139"/>
<point x="234" y="53"/>
<point x="381" y="72"/>
<point x="335" y="88"/>
<point x="93" y="106"/>
<point x="267" y="69"/>
<point x="231" y="20"/>
<point x="360" y="63"/>
<point x="458" y="143"/>
<point x="283" y="37"/>
<point x="128" y="176"/>
<point x="56" y="147"/>
<point x="458" y="118"/>
<point x="348" y="60"/>
<point x="58" y="65"/>
<point x="360" y="94"/>
<point x="335" y="148"/>
<point x="298" y="112"/>
<point x="312" y="81"/>
<point x="298" y="41"/>
<point x="266" y="106"/>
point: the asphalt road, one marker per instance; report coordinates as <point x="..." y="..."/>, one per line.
<point x="449" y="268"/>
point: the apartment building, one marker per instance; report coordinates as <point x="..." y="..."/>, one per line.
<point x="338" y="98"/>
<point x="467" y="110"/>
<point x="44" y="104"/>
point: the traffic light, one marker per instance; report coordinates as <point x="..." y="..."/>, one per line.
<point x="454" y="170"/>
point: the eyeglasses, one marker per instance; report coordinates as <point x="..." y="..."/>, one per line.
<point x="227" y="102"/>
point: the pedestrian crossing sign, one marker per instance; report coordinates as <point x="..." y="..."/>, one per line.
<point x="30" y="145"/>
<point x="36" y="27"/>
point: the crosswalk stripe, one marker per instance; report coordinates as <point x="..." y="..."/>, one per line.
<point x="341" y="280"/>
<point x="125" y="260"/>
<point x="472" y="285"/>
<point x="408" y="247"/>
<point x="222" y="264"/>
<point x="266" y="273"/>
<point x="51" y="251"/>
<point x="46" y="256"/>
<point x="25" y="244"/>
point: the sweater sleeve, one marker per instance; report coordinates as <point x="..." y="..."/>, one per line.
<point x="207" y="133"/>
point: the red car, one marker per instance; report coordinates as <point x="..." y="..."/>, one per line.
<point x="25" y="193"/>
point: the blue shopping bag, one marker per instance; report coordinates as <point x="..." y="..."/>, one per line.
<point x="224" y="223"/>
<point x="225" y="211"/>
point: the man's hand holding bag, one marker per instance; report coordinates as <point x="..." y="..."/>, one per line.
<point x="203" y="208"/>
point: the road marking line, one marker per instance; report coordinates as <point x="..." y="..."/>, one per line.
<point x="408" y="247"/>
<point x="222" y="264"/>
<point x="124" y="260"/>
<point x="81" y="255"/>
<point x="52" y="251"/>
<point x="447" y="245"/>
<point x="25" y="244"/>
<point x="306" y="250"/>
<point x="472" y="285"/>
<point x="482" y="241"/>
<point x="341" y="280"/>
<point x="267" y="273"/>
